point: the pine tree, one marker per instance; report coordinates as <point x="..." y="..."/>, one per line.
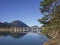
<point x="51" y="19"/>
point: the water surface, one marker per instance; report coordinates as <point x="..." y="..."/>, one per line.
<point x="22" y="39"/>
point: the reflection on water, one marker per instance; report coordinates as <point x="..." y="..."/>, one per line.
<point x="14" y="35"/>
<point x="7" y="38"/>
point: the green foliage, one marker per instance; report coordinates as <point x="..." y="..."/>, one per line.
<point x="45" y="32"/>
<point x="44" y="19"/>
<point x="51" y="18"/>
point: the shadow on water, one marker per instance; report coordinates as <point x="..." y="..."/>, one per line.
<point x="14" y="35"/>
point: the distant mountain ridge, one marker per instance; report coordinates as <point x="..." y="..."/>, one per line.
<point x="15" y="23"/>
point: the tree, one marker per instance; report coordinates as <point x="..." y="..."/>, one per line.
<point x="51" y="11"/>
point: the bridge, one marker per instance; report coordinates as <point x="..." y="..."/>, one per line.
<point x="22" y="29"/>
<point x="26" y="29"/>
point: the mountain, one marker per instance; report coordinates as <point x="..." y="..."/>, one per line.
<point x="1" y="24"/>
<point x="18" y="23"/>
<point x="15" y="23"/>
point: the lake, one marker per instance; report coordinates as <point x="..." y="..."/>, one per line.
<point x="7" y="38"/>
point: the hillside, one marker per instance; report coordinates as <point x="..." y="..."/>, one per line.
<point x="15" y="23"/>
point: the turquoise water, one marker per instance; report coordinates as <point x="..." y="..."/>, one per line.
<point x="22" y="39"/>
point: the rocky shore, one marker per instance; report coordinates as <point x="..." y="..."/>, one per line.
<point x="54" y="41"/>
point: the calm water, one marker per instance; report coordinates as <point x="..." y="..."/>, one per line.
<point x="22" y="39"/>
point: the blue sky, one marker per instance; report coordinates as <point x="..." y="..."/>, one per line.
<point x="26" y="11"/>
